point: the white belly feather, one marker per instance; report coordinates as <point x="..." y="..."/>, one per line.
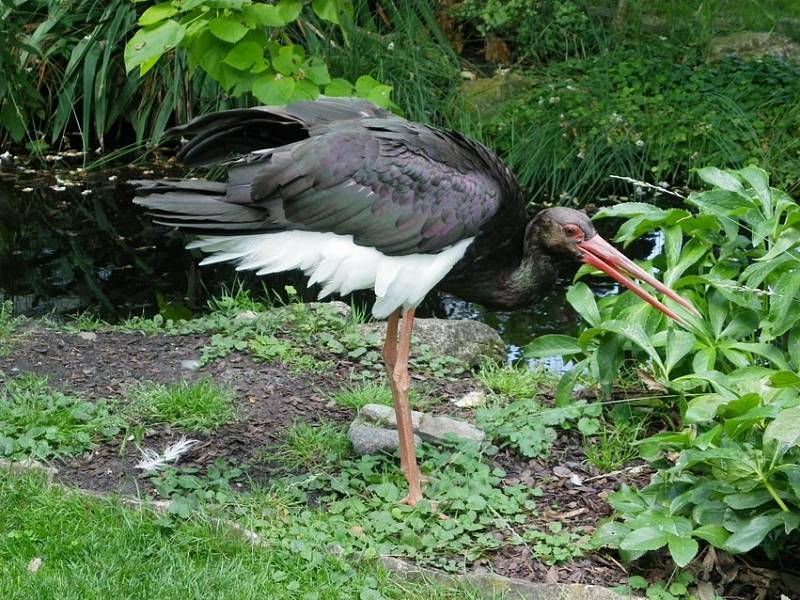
<point x="338" y="264"/>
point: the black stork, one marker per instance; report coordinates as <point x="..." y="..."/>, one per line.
<point x="360" y="198"/>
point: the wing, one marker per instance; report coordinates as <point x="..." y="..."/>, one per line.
<point x="397" y="186"/>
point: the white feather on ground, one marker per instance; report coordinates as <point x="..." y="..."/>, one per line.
<point x="153" y="461"/>
<point x="338" y="264"/>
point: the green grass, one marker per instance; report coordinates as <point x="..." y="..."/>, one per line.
<point x="306" y="445"/>
<point x="517" y="381"/>
<point x="199" y="406"/>
<point x="40" y="422"/>
<point x="615" y="443"/>
<point x="97" y="549"/>
<point x="358" y="395"/>
<point x="8" y="326"/>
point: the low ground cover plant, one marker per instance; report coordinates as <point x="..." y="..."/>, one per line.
<point x="41" y="422"/>
<point x="728" y="474"/>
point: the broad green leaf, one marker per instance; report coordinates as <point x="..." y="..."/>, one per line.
<point x="156" y="13"/>
<point x="582" y="300"/>
<point x="267" y="15"/>
<point x="610" y="534"/>
<point x="752" y="533"/>
<point x="644" y="538"/>
<point x="682" y="549"/>
<point x="716" y="535"/>
<point x="704" y="408"/>
<point x="679" y="345"/>
<point x="637" y="335"/>
<point x="626" y="500"/>
<point x="273" y="91"/>
<point x="228" y="29"/>
<point x="339" y="87"/>
<point x="148" y="44"/>
<point x="288" y="60"/>
<point x="785" y="429"/>
<point x="783" y="379"/>
<point x="745" y="500"/>
<point x="316" y="71"/>
<point x="290" y="9"/>
<point x="759" y="181"/>
<point x="563" y="393"/>
<point x="629" y="209"/>
<point x="720" y="179"/>
<point x="331" y="10"/>
<point x="552" y="345"/>
<point x="244" y="55"/>
<point x="304" y="90"/>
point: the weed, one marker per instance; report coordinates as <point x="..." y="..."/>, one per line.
<point x="516" y="382"/>
<point x="310" y="446"/>
<point x="82" y="321"/>
<point x="614" y="445"/>
<point x="188" y="491"/>
<point x="8" y="325"/>
<point x="200" y="406"/>
<point x="557" y="545"/>
<point x="40" y="422"/>
<point x="367" y="392"/>
<point x="677" y="588"/>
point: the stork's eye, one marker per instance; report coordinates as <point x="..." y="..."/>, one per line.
<point x="573" y="231"/>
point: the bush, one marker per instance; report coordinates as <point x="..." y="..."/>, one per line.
<point x="653" y="114"/>
<point x="730" y="475"/>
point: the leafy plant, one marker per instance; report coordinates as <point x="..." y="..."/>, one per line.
<point x="8" y="325"/>
<point x="200" y="406"/>
<point x="40" y="422"/>
<point x="188" y="490"/>
<point x="246" y="47"/>
<point x="557" y="545"/>
<point x="728" y="477"/>
<point x="480" y="508"/>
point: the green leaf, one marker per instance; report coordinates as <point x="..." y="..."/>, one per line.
<point x="288" y="60"/>
<point x="682" y="549"/>
<point x="331" y="10"/>
<point x="610" y="534"/>
<point x="552" y="345"/>
<point x="783" y="379"/>
<point x="720" y="179"/>
<point x="704" y="408"/>
<point x="228" y="29"/>
<point x="785" y="428"/>
<point x="644" y="539"/>
<point x="273" y="91"/>
<point x="156" y="13"/>
<point x="290" y="9"/>
<point x="339" y="87"/>
<point x="267" y="15"/>
<point x="316" y="71"/>
<point x="716" y="535"/>
<point x="244" y="55"/>
<point x="637" y="335"/>
<point x="679" y="344"/>
<point x="582" y="300"/>
<point x="147" y="45"/>
<point x="752" y="533"/>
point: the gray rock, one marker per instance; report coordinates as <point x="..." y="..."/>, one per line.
<point x="369" y="439"/>
<point x="490" y="585"/>
<point x="245" y="316"/>
<point x="466" y="340"/>
<point x="471" y="399"/>
<point x="88" y="336"/>
<point x="433" y="429"/>
<point x="754" y="45"/>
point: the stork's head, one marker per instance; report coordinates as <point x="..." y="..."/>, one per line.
<point x="567" y="231"/>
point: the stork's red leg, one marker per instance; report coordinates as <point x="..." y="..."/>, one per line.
<point x="390" y="360"/>
<point x="402" y="409"/>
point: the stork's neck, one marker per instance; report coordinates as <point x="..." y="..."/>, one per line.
<point x="506" y="284"/>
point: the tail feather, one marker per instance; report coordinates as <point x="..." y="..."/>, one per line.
<point x="200" y="207"/>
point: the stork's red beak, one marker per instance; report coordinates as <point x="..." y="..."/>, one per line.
<point x="601" y="255"/>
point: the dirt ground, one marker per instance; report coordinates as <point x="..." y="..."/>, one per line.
<point x="270" y="398"/>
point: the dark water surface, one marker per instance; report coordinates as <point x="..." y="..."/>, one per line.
<point x="71" y="242"/>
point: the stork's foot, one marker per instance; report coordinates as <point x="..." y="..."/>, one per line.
<point x="414" y="496"/>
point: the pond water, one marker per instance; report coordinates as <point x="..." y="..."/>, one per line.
<point x="71" y="242"/>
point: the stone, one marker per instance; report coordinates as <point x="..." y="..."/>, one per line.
<point x="245" y="316"/>
<point x="464" y="339"/>
<point x="369" y="439"/>
<point x="490" y="585"/>
<point x="471" y="399"/>
<point x="750" y="45"/>
<point x="191" y="364"/>
<point x="87" y="336"/>
<point x="431" y="428"/>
